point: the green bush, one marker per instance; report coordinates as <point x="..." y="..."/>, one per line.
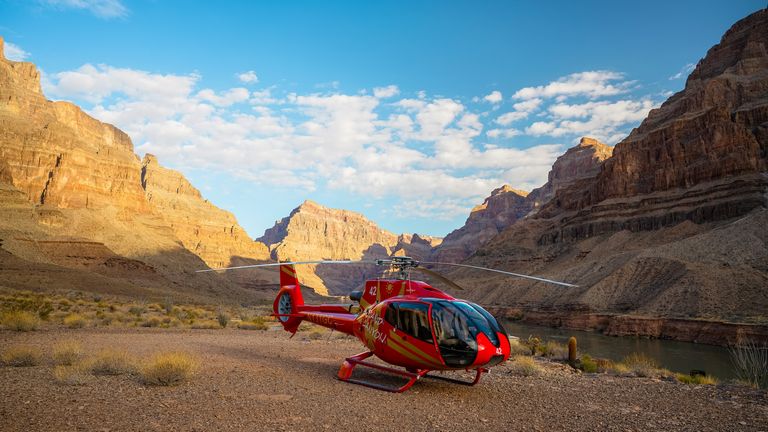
<point x="588" y="365"/>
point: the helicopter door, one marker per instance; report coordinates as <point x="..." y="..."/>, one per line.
<point x="411" y="319"/>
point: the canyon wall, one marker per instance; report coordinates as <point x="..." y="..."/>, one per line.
<point x="76" y="201"/>
<point x="672" y="224"/>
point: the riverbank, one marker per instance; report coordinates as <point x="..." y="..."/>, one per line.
<point x="261" y="380"/>
<point x="685" y="330"/>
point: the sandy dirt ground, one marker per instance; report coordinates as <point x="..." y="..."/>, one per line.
<point x="252" y="381"/>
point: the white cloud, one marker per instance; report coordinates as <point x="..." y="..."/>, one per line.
<point x="591" y="84"/>
<point x="684" y="72"/>
<point x="528" y="106"/>
<point x="248" y="77"/>
<point x="503" y="133"/>
<point x="506" y="119"/>
<point x="100" y="8"/>
<point x="494" y="97"/>
<point x="426" y="151"/>
<point x="603" y="119"/>
<point x="231" y="96"/>
<point x="14" y="52"/>
<point x="386" y="92"/>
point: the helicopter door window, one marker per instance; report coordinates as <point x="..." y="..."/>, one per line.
<point x="410" y="318"/>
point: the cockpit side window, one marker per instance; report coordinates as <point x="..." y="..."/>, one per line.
<point x="411" y="319"/>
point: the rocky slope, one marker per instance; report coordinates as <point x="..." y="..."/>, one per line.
<point x="673" y="223"/>
<point x="505" y="205"/>
<point x="76" y="201"/>
<point x="207" y="231"/>
<point x="313" y="232"/>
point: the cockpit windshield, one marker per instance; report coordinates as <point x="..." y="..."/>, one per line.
<point x="457" y="325"/>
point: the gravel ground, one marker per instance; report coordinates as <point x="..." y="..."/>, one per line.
<point x="251" y="380"/>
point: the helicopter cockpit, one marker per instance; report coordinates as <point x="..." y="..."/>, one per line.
<point x="455" y="326"/>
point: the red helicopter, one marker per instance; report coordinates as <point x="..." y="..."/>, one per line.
<point x="404" y="322"/>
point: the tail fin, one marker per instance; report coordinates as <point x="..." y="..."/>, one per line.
<point x="288" y="299"/>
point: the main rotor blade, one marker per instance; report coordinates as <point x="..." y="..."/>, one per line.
<point x="288" y="262"/>
<point x="504" y="272"/>
<point x="439" y="277"/>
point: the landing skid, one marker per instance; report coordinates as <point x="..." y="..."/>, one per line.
<point x="345" y="374"/>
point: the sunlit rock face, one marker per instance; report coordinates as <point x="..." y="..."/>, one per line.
<point x="73" y="193"/>
<point x="313" y="232"/>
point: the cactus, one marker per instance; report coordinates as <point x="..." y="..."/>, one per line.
<point x="572" y="350"/>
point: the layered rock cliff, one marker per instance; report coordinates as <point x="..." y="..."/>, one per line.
<point x="76" y="201"/>
<point x="502" y="208"/>
<point x="506" y="205"/>
<point x="673" y="223"/>
<point x="313" y="232"/>
<point x="207" y="231"/>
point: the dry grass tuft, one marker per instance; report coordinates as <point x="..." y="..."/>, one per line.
<point x="525" y="366"/>
<point x="256" y="324"/>
<point x="168" y="369"/>
<point x="112" y="362"/>
<point x="641" y="365"/>
<point x="67" y="353"/>
<point x="518" y="349"/>
<point x="21" y="356"/>
<point x="206" y="325"/>
<point x="20" y="320"/>
<point x="74" y="374"/>
<point x="75" y="321"/>
<point x="696" y="379"/>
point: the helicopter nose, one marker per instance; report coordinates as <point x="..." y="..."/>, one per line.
<point x="489" y="354"/>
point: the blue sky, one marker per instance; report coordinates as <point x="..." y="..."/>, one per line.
<point x="407" y="111"/>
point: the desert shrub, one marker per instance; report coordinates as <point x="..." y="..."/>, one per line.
<point x="223" y="318"/>
<point x="619" y="368"/>
<point x="44" y="311"/>
<point x="112" y="362"/>
<point x="588" y="365"/>
<point x="137" y="310"/>
<point x="67" y="353"/>
<point x="75" y="374"/>
<point x="640" y="364"/>
<point x="525" y="366"/>
<point x="21" y="356"/>
<point x="20" y="320"/>
<point x="205" y="325"/>
<point x="256" y="324"/>
<point x="554" y="350"/>
<point x="168" y="369"/>
<point x="696" y="379"/>
<point x="75" y="321"/>
<point x="532" y="343"/>
<point x="167" y="306"/>
<point x="152" y="322"/>
<point x="517" y="349"/>
<point x="604" y="365"/>
<point x="750" y="362"/>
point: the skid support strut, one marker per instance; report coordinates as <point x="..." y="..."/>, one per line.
<point x="345" y="373"/>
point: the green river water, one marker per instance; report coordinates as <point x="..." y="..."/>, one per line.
<point x="673" y="355"/>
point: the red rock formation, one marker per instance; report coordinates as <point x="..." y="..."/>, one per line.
<point x="503" y="207"/>
<point x="506" y="206"/>
<point x="59" y="155"/>
<point x="72" y="197"/>
<point x="313" y="232"/>
<point x="209" y="232"/>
